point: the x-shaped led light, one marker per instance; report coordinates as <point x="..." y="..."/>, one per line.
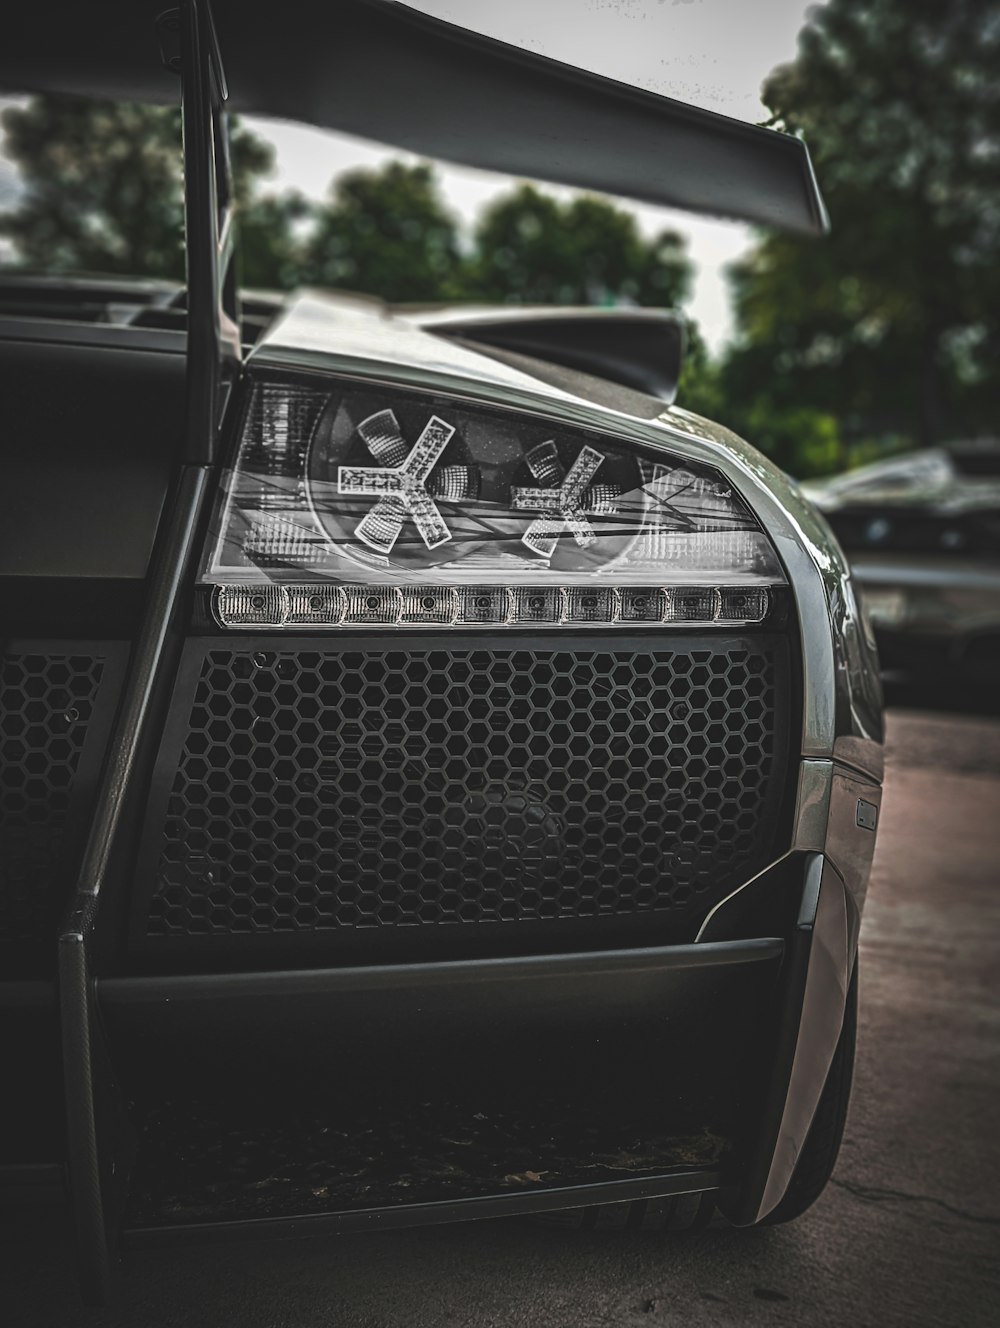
<point x="400" y="485"/>
<point x="562" y="504"/>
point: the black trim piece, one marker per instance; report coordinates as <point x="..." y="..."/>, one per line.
<point x="812" y="999"/>
<point x="420" y="977"/>
<point x="640" y="349"/>
<point x="214" y="346"/>
<point x="88" y="455"/>
<point x="86" y="1172"/>
<point x="97" y="1143"/>
<point x="162" y="599"/>
<point x="104" y="608"/>
<point x="824" y="1003"/>
<point x="746" y="1202"/>
<point x="460" y="1210"/>
<point x="769" y="903"/>
<point x="107" y="336"/>
<point x="35" y="293"/>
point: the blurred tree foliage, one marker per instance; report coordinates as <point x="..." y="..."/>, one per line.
<point x="531" y="248"/>
<point x="889" y="329"/>
<point x="385" y="232"/>
<point x="271" y="239"/>
<point x="103" y="193"/>
<point x="700" y="387"/>
<point x="103" y="185"/>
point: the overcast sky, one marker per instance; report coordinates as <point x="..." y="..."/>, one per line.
<point x="712" y="53"/>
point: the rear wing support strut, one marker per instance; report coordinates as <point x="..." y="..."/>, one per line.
<point x="99" y="1146"/>
<point x="189" y="46"/>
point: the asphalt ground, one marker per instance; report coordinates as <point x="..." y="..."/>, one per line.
<point x="908" y="1232"/>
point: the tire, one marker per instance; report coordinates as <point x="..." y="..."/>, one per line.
<point x="694" y="1212"/>
<point x="819" y="1155"/>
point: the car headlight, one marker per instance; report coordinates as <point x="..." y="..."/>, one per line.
<point x="353" y="505"/>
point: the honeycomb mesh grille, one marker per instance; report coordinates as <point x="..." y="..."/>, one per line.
<point x="351" y="789"/>
<point x="47" y="703"/>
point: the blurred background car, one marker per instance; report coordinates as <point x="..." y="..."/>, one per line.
<point x="922" y="531"/>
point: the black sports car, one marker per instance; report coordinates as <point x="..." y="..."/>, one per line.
<point x="438" y="776"/>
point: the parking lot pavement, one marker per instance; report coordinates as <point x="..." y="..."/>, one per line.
<point x="907" y="1234"/>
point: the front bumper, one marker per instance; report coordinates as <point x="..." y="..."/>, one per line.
<point x="435" y="1092"/>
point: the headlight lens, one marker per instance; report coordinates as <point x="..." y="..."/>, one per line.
<point x="355" y="505"/>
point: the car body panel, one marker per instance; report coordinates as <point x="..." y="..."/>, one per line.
<point x="87" y="512"/>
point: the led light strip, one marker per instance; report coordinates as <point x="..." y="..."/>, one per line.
<point x="272" y="606"/>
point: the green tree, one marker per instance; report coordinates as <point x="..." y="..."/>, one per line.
<point x="700" y="386"/>
<point x="892" y="325"/>
<point x="531" y="248"/>
<point x="103" y="185"/>
<point x="270" y="253"/>
<point x="385" y="232"/>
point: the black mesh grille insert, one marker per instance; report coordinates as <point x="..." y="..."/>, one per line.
<point x="345" y="789"/>
<point x="54" y="716"/>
